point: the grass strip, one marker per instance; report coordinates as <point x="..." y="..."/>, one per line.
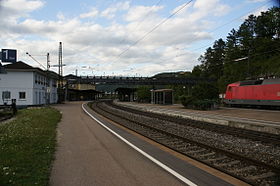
<point x="27" y="146"/>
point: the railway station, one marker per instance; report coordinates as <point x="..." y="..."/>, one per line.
<point x="140" y="93"/>
<point x="184" y="145"/>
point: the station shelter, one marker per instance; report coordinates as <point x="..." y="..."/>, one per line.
<point x="162" y="96"/>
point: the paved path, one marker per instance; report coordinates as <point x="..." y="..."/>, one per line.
<point x="89" y="155"/>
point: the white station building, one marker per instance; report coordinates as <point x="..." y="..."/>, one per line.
<point x="27" y="85"/>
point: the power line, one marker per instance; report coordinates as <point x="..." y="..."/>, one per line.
<point x="208" y="45"/>
<point x="144" y="18"/>
<point x="154" y="28"/>
<point x="182" y="7"/>
<point x="36" y="60"/>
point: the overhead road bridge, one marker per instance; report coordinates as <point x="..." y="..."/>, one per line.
<point x="116" y="80"/>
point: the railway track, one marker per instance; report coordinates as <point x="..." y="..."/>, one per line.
<point x="244" y="133"/>
<point x="260" y="170"/>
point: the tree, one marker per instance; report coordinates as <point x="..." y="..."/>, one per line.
<point x="200" y="93"/>
<point x="144" y="94"/>
<point x="212" y="60"/>
<point x="197" y="71"/>
<point x="268" y="24"/>
<point x="257" y="41"/>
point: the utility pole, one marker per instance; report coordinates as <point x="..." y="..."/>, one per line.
<point x="48" y="61"/>
<point x="60" y="59"/>
<point x="48" y="79"/>
<point x="60" y="92"/>
<point x="60" y="74"/>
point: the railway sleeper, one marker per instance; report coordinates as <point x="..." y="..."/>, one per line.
<point x="183" y="146"/>
<point x="221" y="158"/>
<point x="177" y="143"/>
<point x="207" y="155"/>
<point x="170" y="142"/>
<point x="195" y="152"/>
<point x="161" y="138"/>
<point x="265" y="178"/>
<point x="192" y="147"/>
<point x="262" y="176"/>
<point x="249" y="168"/>
<point x="158" y="136"/>
<point x="227" y="164"/>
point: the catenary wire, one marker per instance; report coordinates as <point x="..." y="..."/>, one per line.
<point x="154" y="28"/>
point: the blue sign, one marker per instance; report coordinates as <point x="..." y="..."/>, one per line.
<point x="9" y="55"/>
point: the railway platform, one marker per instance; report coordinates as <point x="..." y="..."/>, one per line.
<point x="252" y="119"/>
<point x="88" y="154"/>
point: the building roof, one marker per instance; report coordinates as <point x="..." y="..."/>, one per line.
<point x="71" y="76"/>
<point x="23" y="67"/>
<point x="18" y="65"/>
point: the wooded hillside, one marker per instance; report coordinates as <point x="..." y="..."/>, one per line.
<point x="250" y="52"/>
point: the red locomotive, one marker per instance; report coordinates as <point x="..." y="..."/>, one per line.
<point x="254" y="92"/>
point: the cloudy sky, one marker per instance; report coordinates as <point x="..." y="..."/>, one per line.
<point x="115" y="37"/>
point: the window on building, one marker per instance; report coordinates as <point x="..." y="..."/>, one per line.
<point x="22" y="95"/>
<point x="54" y="83"/>
<point x="6" y="95"/>
<point x="36" y="78"/>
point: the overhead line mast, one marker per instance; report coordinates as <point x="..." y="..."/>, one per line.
<point x="60" y="75"/>
<point x="60" y="59"/>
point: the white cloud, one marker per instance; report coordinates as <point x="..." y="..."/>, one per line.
<point x="110" y="12"/>
<point x="60" y="16"/>
<point x="221" y="10"/>
<point x="18" y="8"/>
<point x="260" y="10"/>
<point x="205" y="8"/>
<point x="93" y="43"/>
<point x="255" y="1"/>
<point x="90" y="14"/>
<point x="257" y="12"/>
<point x="22" y="5"/>
<point x="141" y="12"/>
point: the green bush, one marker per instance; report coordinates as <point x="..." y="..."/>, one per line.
<point x="187" y="101"/>
<point x="199" y="104"/>
<point x="144" y="94"/>
<point x="205" y="104"/>
<point x="204" y="97"/>
<point x="203" y="91"/>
